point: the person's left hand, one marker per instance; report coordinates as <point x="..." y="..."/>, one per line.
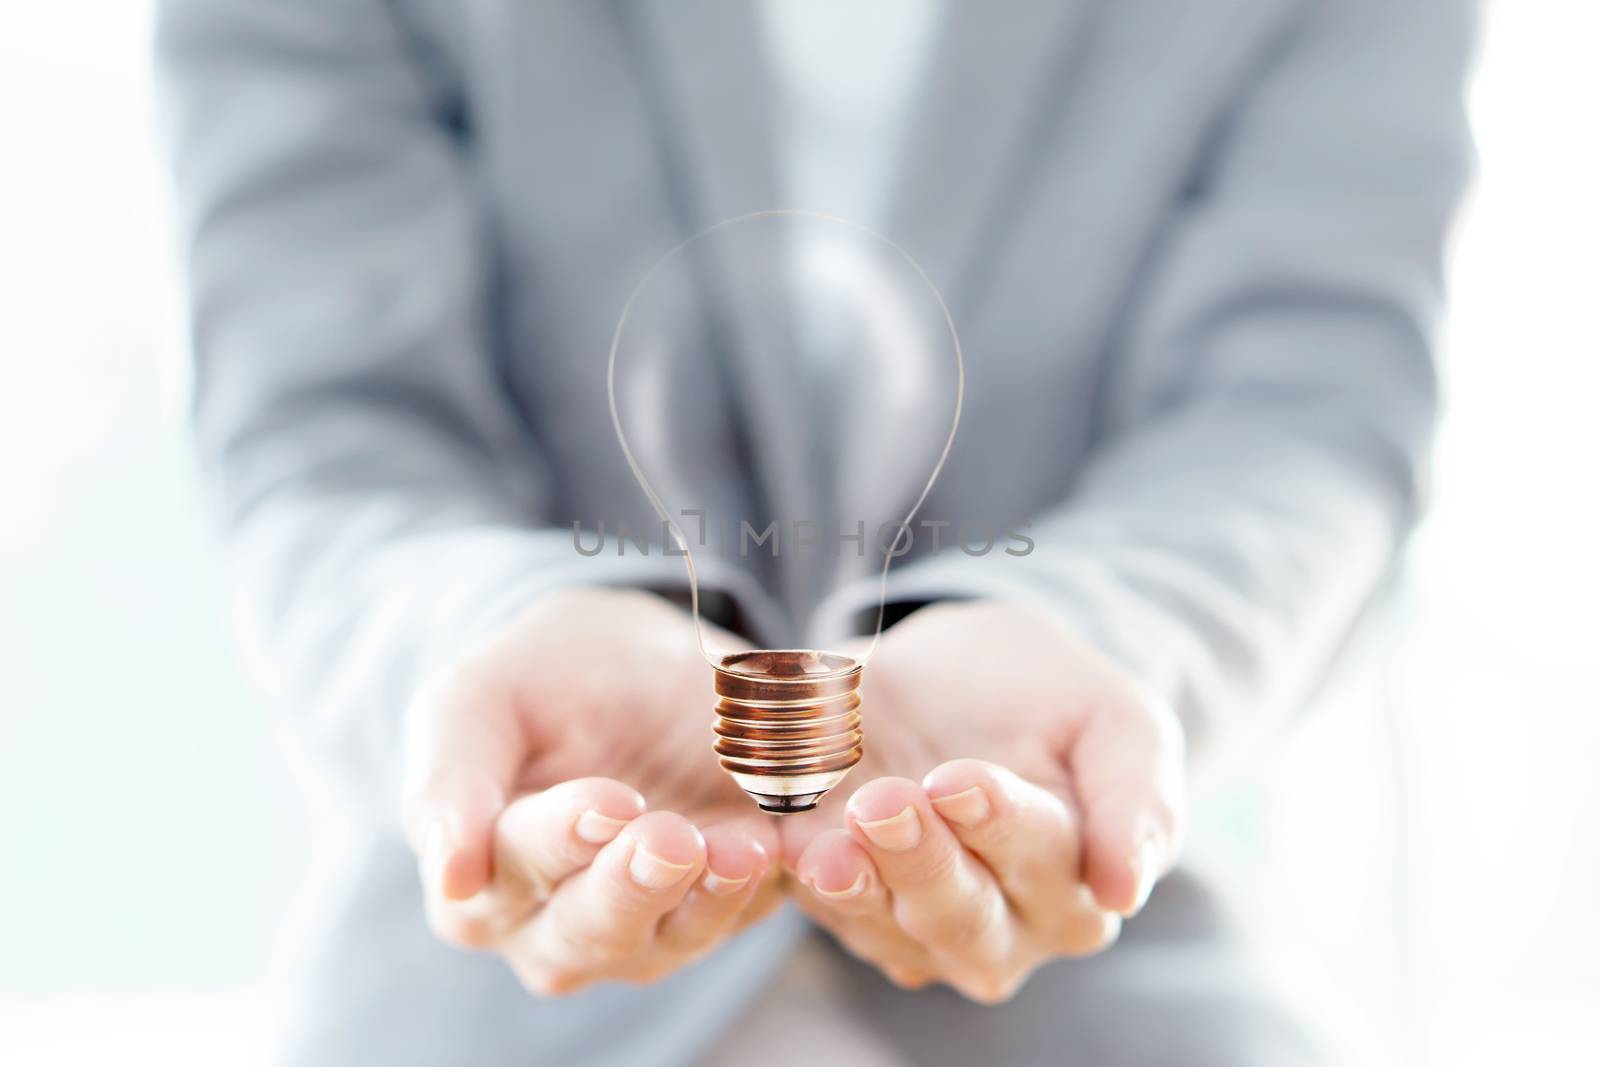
<point x="1019" y="796"/>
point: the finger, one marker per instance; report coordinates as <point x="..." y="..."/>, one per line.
<point x="838" y="887"/>
<point x="463" y="748"/>
<point x="608" y="912"/>
<point x="797" y="832"/>
<point x="1127" y="766"/>
<point x="839" y="873"/>
<point x="737" y="861"/>
<point x="542" y="838"/>
<point x="1026" y="835"/>
<point x="1028" y="838"/>
<point x="942" y="896"/>
<point x="1131" y="842"/>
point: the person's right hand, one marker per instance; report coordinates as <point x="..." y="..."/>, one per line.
<point x="530" y="841"/>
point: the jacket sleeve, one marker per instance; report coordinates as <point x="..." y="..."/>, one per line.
<point x="1271" y="408"/>
<point x="381" y="505"/>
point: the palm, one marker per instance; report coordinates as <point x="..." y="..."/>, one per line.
<point x="638" y="713"/>
<point x="929" y="695"/>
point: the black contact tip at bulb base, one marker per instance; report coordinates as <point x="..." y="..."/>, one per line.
<point x="790" y="805"/>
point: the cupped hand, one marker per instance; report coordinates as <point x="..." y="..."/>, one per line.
<point x="529" y="841"/>
<point x="1019" y="797"/>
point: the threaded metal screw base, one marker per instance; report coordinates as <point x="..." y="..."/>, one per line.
<point x="788" y="724"/>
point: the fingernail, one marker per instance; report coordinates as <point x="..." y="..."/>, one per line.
<point x="718" y="885"/>
<point x="966" y="808"/>
<point x="1143" y="862"/>
<point x="652" y="872"/>
<point x="854" y="889"/>
<point x="896" y="833"/>
<point x="597" y="829"/>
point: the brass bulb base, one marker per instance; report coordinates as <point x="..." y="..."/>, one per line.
<point x="788" y="724"/>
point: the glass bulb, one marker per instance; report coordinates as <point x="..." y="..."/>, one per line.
<point x="786" y="387"/>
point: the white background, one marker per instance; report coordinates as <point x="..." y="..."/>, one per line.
<point x="1437" y="851"/>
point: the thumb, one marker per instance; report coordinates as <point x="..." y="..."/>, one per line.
<point x="463" y="748"/>
<point x="1127" y="767"/>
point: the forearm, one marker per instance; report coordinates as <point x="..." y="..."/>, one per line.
<point x="1224" y="574"/>
<point x="347" y="602"/>
<point x="379" y="498"/>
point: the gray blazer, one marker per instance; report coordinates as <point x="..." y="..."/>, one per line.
<point x="1193" y="249"/>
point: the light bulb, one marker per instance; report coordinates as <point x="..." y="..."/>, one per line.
<point x="786" y="387"/>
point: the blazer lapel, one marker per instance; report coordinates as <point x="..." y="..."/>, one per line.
<point x="1000" y="73"/>
<point x="716" y="99"/>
